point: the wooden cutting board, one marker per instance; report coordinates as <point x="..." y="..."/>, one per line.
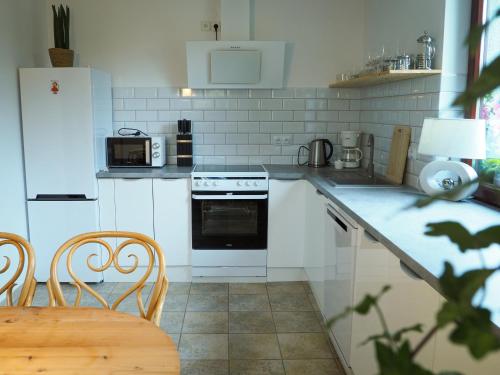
<point x="398" y="154"/>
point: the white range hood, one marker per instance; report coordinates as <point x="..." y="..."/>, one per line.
<point x="235" y="61"/>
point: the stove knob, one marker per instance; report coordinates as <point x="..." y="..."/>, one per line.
<point x="239" y="183"/>
<point x="256" y="183"/>
<point x="214" y="183"/>
<point x="197" y="183"/>
<point x="156" y="155"/>
<point x="206" y="183"/>
<point x="247" y="183"/>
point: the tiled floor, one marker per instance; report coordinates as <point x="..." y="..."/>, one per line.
<point x="220" y="328"/>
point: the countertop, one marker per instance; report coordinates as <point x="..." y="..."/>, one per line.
<point x="383" y="212"/>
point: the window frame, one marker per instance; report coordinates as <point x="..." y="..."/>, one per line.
<point x="486" y="192"/>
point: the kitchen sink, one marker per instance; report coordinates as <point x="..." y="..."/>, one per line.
<point x="357" y="178"/>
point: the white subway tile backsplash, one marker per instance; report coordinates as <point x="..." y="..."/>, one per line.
<point x="118" y="104"/>
<point x="259" y="115"/>
<point x="123" y="115"/>
<point x="192" y="115"/>
<point x="248" y="127"/>
<point x="247" y="149"/>
<point x="146" y="115"/>
<point x="282" y="115"/>
<point x="237" y="115"/>
<point x="270" y="104"/>
<point x="316" y="104"/>
<point x="225" y="150"/>
<point x="226" y="104"/>
<point x="145" y="92"/>
<point x="259" y="160"/>
<point x="293" y="127"/>
<point x="246" y="104"/>
<point x="160" y="127"/>
<point x="270" y="150"/>
<point x="215" y="93"/>
<point x="214" y="115"/>
<point x="214" y="139"/>
<point x="158" y="104"/>
<point x="327" y="116"/>
<point x="271" y="127"/>
<point x="226" y="127"/>
<point x="259" y="139"/>
<point x="303" y="92"/>
<point x="260" y="93"/>
<point x="168" y="92"/>
<point x="202" y="127"/>
<point x="169" y="115"/>
<point x="238" y="93"/>
<point x="203" y="150"/>
<point x="123" y="92"/>
<point x="294" y="104"/>
<point x="237" y="139"/>
<point x="182" y="104"/>
<point x="203" y="104"/>
<point x="218" y="160"/>
<point x="316" y="127"/>
<point x="283" y="93"/>
<point x="134" y="104"/>
<point x="237" y="160"/>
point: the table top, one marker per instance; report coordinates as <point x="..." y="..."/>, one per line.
<point x="56" y="340"/>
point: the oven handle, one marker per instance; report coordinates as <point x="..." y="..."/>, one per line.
<point x="229" y="197"/>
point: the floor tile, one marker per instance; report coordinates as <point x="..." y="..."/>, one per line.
<point x="247" y="288"/>
<point x="288" y="288"/>
<point x="296" y="321"/>
<point x="179" y="288"/>
<point x="121" y="288"/>
<point x="304" y="346"/>
<point x="205" y="322"/>
<point x="256" y="367"/>
<point x="175" y="302"/>
<point x="312" y="366"/>
<point x="290" y="302"/>
<point x="176" y="337"/>
<point x="251" y="322"/>
<point x="253" y="346"/>
<point x="209" y="288"/>
<point x="101" y="288"/>
<point x="204" y="367"/>
<point x="203" y="346"/>
<point x="200" y="302"/>
<point x="172" y="321"/>
<point x="313" y="302"/>
<point x="249" y="302"/>
<point x="307" y="286"/>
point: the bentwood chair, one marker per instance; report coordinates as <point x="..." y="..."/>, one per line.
<point x="14" y="246"/>
<point x="152" y="249"/>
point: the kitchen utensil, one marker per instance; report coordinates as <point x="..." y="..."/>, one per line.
<point x="317" y="153"/>
<point x="427" y="51"/>
<point x="398" y="153"/>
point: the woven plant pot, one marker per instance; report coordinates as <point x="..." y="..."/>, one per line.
<point x="61" y="57"/>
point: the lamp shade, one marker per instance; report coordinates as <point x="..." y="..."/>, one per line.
<point x="453" y="138"/>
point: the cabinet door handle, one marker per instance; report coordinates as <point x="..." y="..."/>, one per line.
<point x="409" y="272"/>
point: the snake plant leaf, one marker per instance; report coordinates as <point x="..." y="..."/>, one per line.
<point x="460" y="236"/>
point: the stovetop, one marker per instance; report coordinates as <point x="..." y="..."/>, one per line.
<point x="236" y="169"/>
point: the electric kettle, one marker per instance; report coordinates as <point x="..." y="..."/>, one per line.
<point x="317" y="153"/>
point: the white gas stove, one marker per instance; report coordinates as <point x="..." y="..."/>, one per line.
<point x="229" y="220"/>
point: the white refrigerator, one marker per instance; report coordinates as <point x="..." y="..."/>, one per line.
<point x="66" y="115"/>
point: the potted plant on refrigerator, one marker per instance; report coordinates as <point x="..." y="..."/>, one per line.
<point x="61" y="56"/>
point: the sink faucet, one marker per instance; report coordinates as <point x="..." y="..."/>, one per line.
<point x="370" y="169"/>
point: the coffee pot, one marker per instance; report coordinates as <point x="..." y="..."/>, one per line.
<point x="427" y="51"/>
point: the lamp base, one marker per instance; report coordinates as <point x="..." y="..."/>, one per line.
<point x="440" y="176"/>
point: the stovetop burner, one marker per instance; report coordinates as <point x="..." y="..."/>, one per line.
<point x="210" y="168"/>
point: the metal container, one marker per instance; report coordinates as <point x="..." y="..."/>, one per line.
<point x="427" y="51"/>
<point x="318" y="156"/>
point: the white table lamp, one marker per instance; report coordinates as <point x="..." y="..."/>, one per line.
<point x="451" y="138"/>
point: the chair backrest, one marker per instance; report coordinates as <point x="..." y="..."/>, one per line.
<point x="10" y="244"/>
<point x="150" y="246"/>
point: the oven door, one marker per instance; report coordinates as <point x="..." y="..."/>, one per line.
<point x="128" y="151"/>
<point x="229" y="220"/>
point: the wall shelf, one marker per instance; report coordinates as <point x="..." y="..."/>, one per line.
<point x="372" y="79"/>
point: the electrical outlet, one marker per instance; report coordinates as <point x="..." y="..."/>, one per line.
<point x="206" y="26"/>
<point x="277" y="140"/>
<point x="286" y="140"/>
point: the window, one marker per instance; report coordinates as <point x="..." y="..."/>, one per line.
<point x="489" y="109"/>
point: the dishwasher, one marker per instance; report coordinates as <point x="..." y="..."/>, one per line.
<point x="341" y="244"/>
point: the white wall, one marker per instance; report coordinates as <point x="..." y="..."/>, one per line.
<point x="398" y="23"/>
<point x="142" y="43"/>
<point x="20" y="27"/>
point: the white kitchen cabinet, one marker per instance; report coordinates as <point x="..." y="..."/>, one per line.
<point x="410" y="301"/>
<point x="341" y="240"/>
<point x="134" y="213"/>
<point x="314" y="248"/>
<point x="452" y="357"/>
<point x="286" y="223"/>
<point x="172" y="219"/>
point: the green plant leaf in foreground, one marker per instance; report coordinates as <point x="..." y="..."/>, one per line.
<point x="398" y="361"/>
<point x="459" y="235"/>
<point x="472" y="324"/>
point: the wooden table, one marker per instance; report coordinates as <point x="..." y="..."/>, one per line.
<point x="73" y="341"/>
